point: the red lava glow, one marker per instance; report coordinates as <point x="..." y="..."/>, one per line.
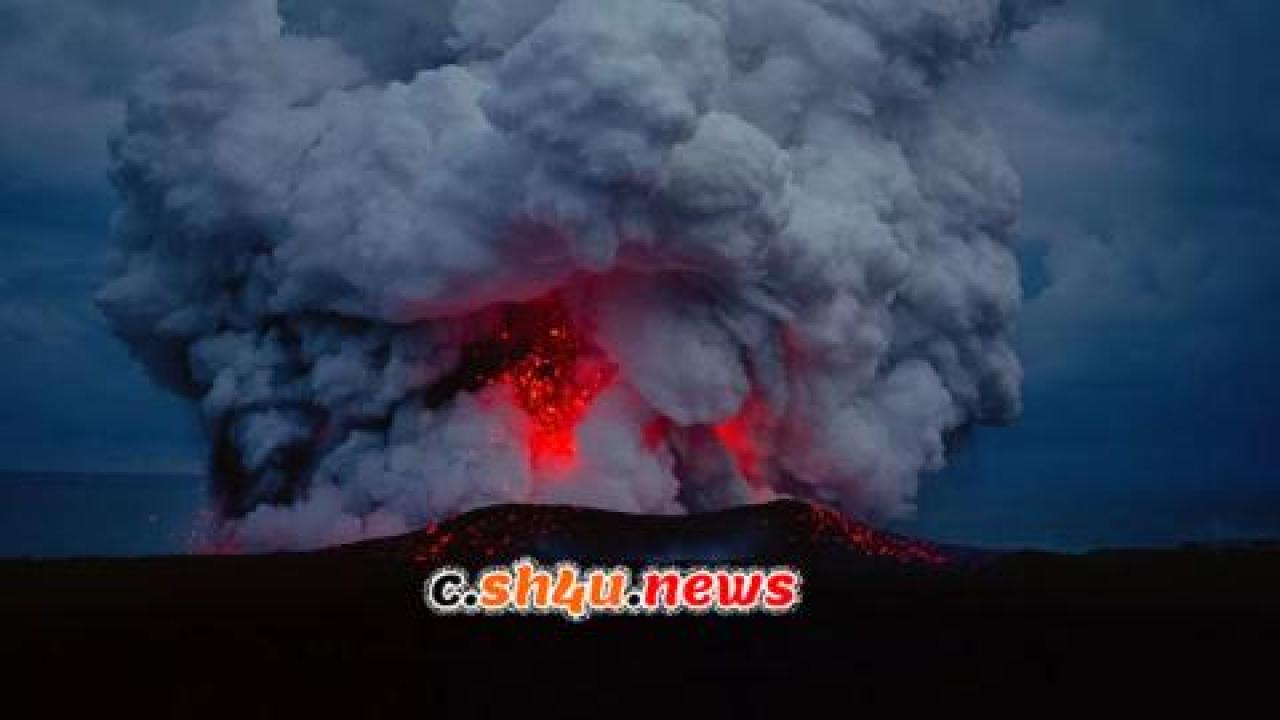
<point x="786" y="529"/>
<point x="553" y="375"/>
<point x="738" y="435"/>
<point x="827" y="525"/>
<point x="655" y="433"/>
<point x="493" y="535"/>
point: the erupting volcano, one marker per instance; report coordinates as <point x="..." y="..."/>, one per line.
<point x="773" y="251"/>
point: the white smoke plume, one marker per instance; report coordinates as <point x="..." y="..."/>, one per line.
<point x="770" y="219"/>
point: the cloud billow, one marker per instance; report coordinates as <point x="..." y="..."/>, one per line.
<point x="769" y="219"/>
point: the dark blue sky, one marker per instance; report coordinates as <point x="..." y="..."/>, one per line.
<point x="1148" y="136"/>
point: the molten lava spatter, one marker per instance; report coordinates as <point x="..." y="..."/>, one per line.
<point x="553" y="372"/>
<point x="786" y="531"/>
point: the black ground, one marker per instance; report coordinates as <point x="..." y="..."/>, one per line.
<point x="345" y="632"/>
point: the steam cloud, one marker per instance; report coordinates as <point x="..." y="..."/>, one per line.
<point x="771" y="217"/>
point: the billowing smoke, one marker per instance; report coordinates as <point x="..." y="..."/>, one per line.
<point x="411" y="258"/>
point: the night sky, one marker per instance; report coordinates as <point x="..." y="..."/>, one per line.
<point x="1148" y="137"/>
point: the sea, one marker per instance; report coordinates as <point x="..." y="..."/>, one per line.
<point x="107" y="514"/>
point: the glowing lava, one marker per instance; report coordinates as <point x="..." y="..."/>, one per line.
<point x="553" y="372"/>
<point x="794" y="530"/>
<point x="740" y="437"/>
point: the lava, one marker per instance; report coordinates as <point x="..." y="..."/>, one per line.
<point x="738" y="436"/>
<point x="553" y="371"/>
<point x="825" y="525"/>
<point x="781" y="531"/>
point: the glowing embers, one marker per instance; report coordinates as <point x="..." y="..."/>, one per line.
<point x="553" y="371"/>
<point x="826" y="526"/>
<point x="791" y="529"/>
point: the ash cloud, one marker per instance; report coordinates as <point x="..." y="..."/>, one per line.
<point x="774" y="217"/>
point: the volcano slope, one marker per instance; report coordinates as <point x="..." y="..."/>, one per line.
<point x="883" y="618"/>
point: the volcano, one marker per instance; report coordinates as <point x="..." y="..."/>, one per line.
<point x="773" y="533"/>
<point x="345" y="629"/>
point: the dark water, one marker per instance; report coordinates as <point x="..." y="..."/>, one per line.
<point x="55" y="514"/>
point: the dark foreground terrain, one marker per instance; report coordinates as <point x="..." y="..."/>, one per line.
<point x="885" y="621"/>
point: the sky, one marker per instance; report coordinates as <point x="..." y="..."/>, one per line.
<point x="1147" y="135"/>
